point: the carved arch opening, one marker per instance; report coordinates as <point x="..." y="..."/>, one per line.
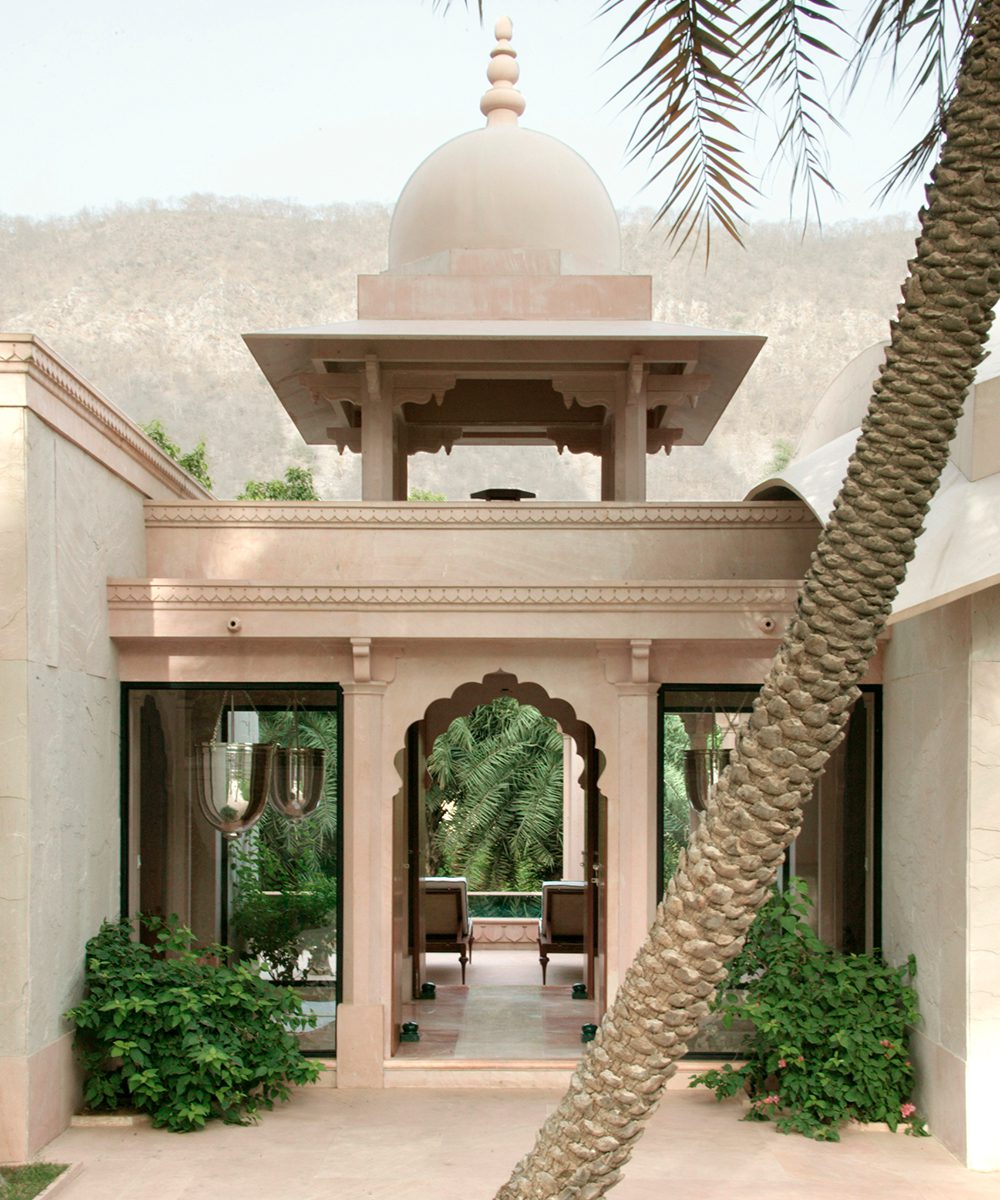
<point x="410" y="940"/>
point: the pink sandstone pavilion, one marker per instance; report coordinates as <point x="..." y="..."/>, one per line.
<point x="134" y="601"/>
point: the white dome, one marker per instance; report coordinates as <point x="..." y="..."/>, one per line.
<point x="506" y="188"/>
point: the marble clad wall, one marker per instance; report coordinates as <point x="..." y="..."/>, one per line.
<point x="926" y="802"/>
<point x="84" y="525"/>
<point x="942" y="857"/>
<point x="984" y="883"/>
<point x="14" y="835"/>
<point x="66" y="524"/>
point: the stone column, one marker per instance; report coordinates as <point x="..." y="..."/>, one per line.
<point x="632" y="847"/>
<point x="608" y="457"/>
<point x="367" y="924"/>
<point x="630" y="436"/>
<point x="377" y="470"/>
<point x="400" y="458"/>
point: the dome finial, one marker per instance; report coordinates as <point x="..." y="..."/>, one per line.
<point x="502" y="104"/>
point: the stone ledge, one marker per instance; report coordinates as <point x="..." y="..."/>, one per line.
<point x="757" y="514"/>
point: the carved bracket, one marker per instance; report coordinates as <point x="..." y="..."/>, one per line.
<point x="421" y="387"/>
<point x="588" y="389"/>
<point x="361" y="654"/>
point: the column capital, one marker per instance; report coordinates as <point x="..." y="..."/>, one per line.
<point x="627" y="688"/>
<point x="369" y="687"/>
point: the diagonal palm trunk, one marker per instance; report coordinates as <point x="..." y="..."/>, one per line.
<point x="799" y="718"/>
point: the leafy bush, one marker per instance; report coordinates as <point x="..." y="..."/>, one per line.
<point x="282" y="907"/>
<point x="829" y="1041"/>
<point x="297" y="485"/>
<point x="195" y="462"/>
<point x="170" y="1031"/>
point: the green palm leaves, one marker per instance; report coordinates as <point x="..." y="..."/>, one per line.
<point x="495" y="804"/>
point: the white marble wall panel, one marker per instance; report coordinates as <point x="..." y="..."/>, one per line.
<point x="14" y="832"/>
<point x="84" y="524"/>
<point x="925" y="857"/>
<point x="74" y="833"/>
<point x="13" y="606"/>
<point x="925" y="803"/>
<point x="44" y="622"/>
<point x="93" y="524"/>
<point x="14" y="861"/>
<point x="984" y="882"/>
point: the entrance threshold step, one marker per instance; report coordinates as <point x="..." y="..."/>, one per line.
<point x="509" y="1073"/>
<point x="478" y="1073"/>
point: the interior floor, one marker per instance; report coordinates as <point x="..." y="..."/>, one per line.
<point x="503" y="1012"/>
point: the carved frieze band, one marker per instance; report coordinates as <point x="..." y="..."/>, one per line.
<point x="752" y="514"/>
<point x="145" y="594"/>
<point x="95" y="409"/>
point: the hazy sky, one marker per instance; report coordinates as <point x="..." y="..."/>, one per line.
<point x="120" y="100"/>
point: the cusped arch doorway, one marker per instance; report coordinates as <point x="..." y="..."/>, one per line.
<point x="500" y="806"/>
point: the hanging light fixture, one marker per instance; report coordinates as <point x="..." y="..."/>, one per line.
<point x="232" y="779"/>
<point x="297" y="775"/>
<point x="702" y="769"/>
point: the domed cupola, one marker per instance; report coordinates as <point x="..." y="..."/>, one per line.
<point x="506" y="188"/>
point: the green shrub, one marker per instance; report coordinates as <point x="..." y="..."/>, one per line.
<point x="829" y="1041"/>
<point x="172" y="1031"/>
<point x="283" y="907"/>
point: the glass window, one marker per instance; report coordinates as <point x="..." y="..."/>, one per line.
<point x="271" y="892"/>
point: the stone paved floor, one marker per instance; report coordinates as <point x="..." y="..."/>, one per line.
<point x="503" y="1011"/>
<point x="460" y="1145"/>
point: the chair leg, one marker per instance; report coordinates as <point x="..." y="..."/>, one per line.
<point x="544" y="960"/>
<point x="462" y="960"/>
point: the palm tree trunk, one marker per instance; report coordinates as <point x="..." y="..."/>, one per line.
<point x="799" y="717"/>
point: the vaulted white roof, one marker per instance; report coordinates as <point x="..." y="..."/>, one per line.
<point x="959" y="551"/>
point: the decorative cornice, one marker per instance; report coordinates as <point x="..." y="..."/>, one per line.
<point x="786" y="514"/>
<point x="178" y="594"/>
<point x="25" y="354"/>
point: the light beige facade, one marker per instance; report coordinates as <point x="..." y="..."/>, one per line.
<point x="496" y="323"/>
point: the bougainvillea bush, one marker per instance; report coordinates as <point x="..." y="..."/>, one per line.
<point x="829" y="1041"/>
<point x="173" y="1031"/>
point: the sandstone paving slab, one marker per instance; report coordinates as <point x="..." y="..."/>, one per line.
<point x="460" y="1144"/>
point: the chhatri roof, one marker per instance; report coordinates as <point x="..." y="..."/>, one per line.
<point x="504" y="265"/>
<point x="958" y="553"/>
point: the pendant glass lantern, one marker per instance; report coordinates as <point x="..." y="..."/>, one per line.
<point x="702" y="769"/>
<point x="297" y="779"/>
<point x="233" y="780"/>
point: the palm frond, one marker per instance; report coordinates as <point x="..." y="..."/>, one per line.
<point x="690" y="96"/>
<point x="501" y="817"/>
<point x="924" y="41"/>
<point x="782" y="51"/>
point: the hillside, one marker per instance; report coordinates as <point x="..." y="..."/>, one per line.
<point x="148" y="303"/>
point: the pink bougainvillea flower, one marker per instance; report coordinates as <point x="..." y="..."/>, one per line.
<point x="782" y="1063"/>
<point x="907" y="1110"/>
